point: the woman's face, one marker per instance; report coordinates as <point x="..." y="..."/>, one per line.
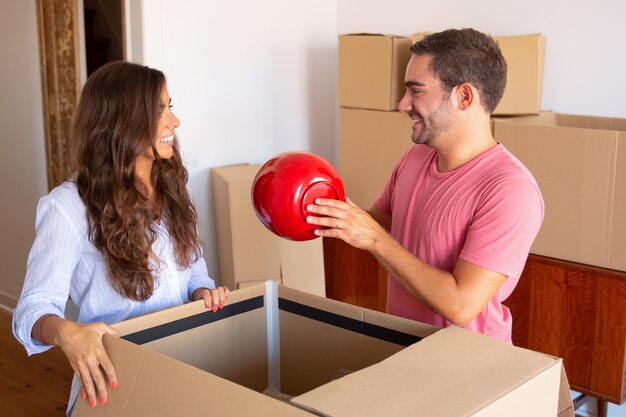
<point x="166" y="127"/>
<point x="164" y="141"/>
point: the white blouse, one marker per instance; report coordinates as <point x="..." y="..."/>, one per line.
<point x="63" y="262"/>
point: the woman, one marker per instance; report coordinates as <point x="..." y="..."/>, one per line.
<point x="120" y="237"/>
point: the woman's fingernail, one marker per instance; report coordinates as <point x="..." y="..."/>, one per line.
<point x="83" y="395"/>
<point x="92" y="403"/>
<point x="103" y="400"/>
<point x="221" y="306"/>
<point x="214" y="309"/>
<point x="225" y="298"/>
<point x="114" y="384"/>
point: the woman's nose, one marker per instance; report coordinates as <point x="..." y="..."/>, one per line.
<point x="174" y="121"/>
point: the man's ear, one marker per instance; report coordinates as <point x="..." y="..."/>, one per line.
<point x="466" y="96"/>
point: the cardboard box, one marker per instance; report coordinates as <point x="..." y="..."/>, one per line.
<point x="247" y="250"/>
<point x="186" y="361"/>
<point x="371" y="70"/>
<point x="579" y="163"/>
<point x="370" y="145"/>
<point x="525" y="57"/>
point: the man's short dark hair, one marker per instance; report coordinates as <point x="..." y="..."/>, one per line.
<point x="466" y="55"/>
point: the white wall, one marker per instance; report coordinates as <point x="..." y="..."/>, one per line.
<point x="248" y="79"/>
<point x="585" y="70"/>
<point x="22" y="159"/>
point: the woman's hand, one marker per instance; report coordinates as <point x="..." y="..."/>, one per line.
<point x="213" y="298"/>
<point x="82" y="345"/>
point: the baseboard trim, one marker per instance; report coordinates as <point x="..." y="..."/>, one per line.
<point x="7" y="302"/>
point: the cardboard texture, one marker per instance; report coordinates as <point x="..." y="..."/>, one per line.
<point x="525" y="57"/>
<point x="370" y="145"/>
<point x="418" y="36"/>
<point x="188" y="361"/>
<point x="579" y="163"/>
<point x="249" y="252"/>
<point x="478" y="385"/>
<point x="371" y="70"/>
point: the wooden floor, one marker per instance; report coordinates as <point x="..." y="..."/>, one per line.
<point x="33" y="386"/>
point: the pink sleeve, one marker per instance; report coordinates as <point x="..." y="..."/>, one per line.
<point x="504" y="227"/>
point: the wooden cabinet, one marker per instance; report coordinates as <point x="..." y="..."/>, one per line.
<point x="576" y="312"/>
<point x="569" y="310"/>
<point x="354" y="276"/>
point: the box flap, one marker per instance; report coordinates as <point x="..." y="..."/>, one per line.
<point x="151" y="384"/>
<point x="180" y="312"/>
<point x="454" y="363"/>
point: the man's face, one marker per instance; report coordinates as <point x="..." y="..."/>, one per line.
<point x="424" y="102"/>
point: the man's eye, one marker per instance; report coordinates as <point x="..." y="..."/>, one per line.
<point x="170" y="106"/>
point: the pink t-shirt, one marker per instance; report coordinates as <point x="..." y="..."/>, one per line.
<point x="487" y="212"/>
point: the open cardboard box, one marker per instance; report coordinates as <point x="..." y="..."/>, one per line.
<point x="189" y="361"/>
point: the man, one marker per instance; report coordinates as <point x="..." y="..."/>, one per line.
<point x="455" y="222"/>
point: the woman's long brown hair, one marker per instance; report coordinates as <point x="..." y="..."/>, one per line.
<point x="116" y="121"/>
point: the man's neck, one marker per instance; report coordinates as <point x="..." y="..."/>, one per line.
<point x="457" y="147"/>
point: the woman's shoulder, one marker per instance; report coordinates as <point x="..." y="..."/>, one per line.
<point x="64" y="194"/>
<point x="65" y="200"/>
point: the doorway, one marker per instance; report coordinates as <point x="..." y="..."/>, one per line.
<point x="103" y="32"/>
<point x="69" y="51"/>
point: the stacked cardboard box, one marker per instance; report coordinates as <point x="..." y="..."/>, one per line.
<point x="187" y="361"/>
<point x="372" y="135"/>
